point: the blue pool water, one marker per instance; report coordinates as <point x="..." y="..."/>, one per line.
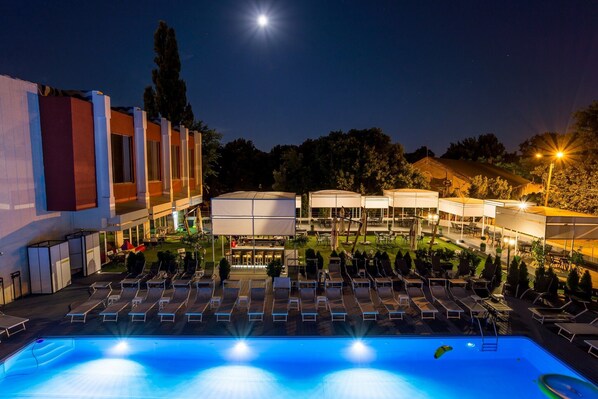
<point x="387" y="367"/>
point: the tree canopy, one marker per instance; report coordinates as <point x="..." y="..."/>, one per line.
<point x="168" y="96"/>
<point x="484" y="148"/>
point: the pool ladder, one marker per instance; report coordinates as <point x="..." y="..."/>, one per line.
<point x="488" y="346"/>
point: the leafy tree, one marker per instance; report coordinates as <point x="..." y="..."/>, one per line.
<point x="573" y="280"/>
<point x="484" y="148"/>
<point x="483" y="188"/>
<point x="210" y="154"/>
<point x="242" y="167"/>
<point x="168" y="96"/>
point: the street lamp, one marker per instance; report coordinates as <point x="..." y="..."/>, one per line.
<point x="558" y="156"/>
<point x="509" y="242"/>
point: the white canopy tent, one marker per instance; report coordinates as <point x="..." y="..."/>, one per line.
<point x="490" y="206"/>
<point x="411" y="198"/>
<point x="254" y="213"/>
<point x="549" y="223"/>
<point x="462" y="207"/>
<point x="375" y="202"/>
<point x="334" y="199"/>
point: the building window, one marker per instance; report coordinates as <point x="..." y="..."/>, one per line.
<point x="154" y="161"/>
<point x="192" y="163"/>
<point x="122" y="158"/>
<point x="175" y="156"/>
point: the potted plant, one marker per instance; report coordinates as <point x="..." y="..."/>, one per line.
<point x="223" y="270"/>
<point x="483" y="244"/>
<point x="274" y="268"/>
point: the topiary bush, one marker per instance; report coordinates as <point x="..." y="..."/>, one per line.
<point x="585" y="286"/>
<point x="513" y="275"/>
<point x="573" y="281"/>
<point x="274" y="268"/>
<point x="497" y="271"/>
<point x="223" y="270"/>
<point x="523" y="278"/>
<point x="488" y="271"/>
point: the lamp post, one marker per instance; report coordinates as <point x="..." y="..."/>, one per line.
<point x="558" y="156"/>
<point x="509" y="242"/>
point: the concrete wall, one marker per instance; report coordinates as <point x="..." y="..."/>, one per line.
<point x="23" y="216"/>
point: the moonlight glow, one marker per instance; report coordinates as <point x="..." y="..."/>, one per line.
<point x="262" y="20"/>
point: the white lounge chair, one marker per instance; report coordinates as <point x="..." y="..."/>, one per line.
<point x="593" y="349"/>
<point x="363" y="298"/>
<point x="125" y="298"/>
<point x="426" y="309"/>
<point x="257" y="303"/>
<point x="336" y="303"/>
<point x="554" y="314"/>
<point x="99" y="296"/>
<point x="141" y="306"/>
<point x="197" y="308"/>
<point x="461" y="295"/>
<point x="395" y="310"/>
<point x="230" y="296"/>
<point x="180" y="296"/>
<point x="309" y="312"/>
<point x="10" y="325"/>
<point x="441" y="297"/>
<point x="280" y="303"/>
<point x="570" y="330"/>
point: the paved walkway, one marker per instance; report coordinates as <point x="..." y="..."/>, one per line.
<point x="46" y="314"/>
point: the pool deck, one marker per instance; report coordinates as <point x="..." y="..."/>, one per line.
<point x="47" y="318"/>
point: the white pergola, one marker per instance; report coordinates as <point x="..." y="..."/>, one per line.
<point x="548" y="223"/>
<point x="334" y="199"/>
<point x="254" y="213"/>
<point x="461" y="207"/>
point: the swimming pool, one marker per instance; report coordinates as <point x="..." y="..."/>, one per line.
<point x="385" y="367"/>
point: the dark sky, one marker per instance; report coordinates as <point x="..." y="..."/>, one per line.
<point x="426" y="72"/>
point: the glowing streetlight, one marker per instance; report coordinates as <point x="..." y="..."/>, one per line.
<point x="509" y="242"/>
<point x="558" y="155"/>
<point x="262" y="20"/>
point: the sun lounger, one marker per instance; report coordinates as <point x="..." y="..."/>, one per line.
<point x="553" y="314"/>
<point x="141" y="306"/>
<point x="336" y="303"/>
<point x="197" y="308"/>
<point x="395" y="310"/>
<point x="257" y="303"/>
<point x="180" y="297"/>
<point x="309" y="311"/>
<point x="363" y="298"/>
<point x="11" y="324"/>
<point x="335" y="277"/>
<point x="280" y="304"/>
<point x="570" y="330"/>
<point x="461" y="295"/>
<point x="593" y="349"/>
<point x="128" y="292"/>
<point x="99" y="296"/>
<point x="426" y="309"/>
<point x="230" y="295"/>
<point x="441" y="297"/>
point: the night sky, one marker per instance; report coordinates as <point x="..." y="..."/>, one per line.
<point x="426" y="72"/>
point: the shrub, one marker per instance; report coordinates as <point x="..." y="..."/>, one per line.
<point x="540" y="280"/>
<point x="408" y="260"/>
<point x="513" y="274"/>
<point x="523" y="281"/>
<point x="553" y="282"/>
<point x="488" y="271"/>
<point x="223" y="270"/>
<point x="585" y="286"/>
<point x="497" y="271"/>
<point x="274" y="268"/>
<point x="573" y="280"/>
<point x="320" y="260"/>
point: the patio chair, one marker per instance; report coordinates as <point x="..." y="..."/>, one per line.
<point x="99" y="296"/>
<point x="257" y="303"/>
<point x="180" y="297"/>
<point x="309" y="311"/>
<point x="335" y="277"/>
<point x="395" y="310"/>
<point x="426" y="309"/>
<point x="336" y="303"/>
<point x="141" y="306"/>
<point x="11" y="325"/>
<point x="547" y="314"/>
<point x="128" y="292"/>
<point x="197" y="308"/>
<point x="461" y="295"/>
<point x="280" y="303"/>
<point x="570" y="330"/>
<point x="230" y="296"/>
<point x="441" y="297"/>
<point x="363" y="298"/>
<point x="376" y="276"/>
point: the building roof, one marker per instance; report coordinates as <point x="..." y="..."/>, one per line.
<point x="258" y="195"/>
<point x="470" y="169"/>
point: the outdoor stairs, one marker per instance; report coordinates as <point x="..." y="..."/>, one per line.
<point x="489" y="343"/>
<point x="39" y="354"/>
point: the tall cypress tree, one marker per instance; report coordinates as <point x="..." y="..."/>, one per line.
<point x="168" y="96"/>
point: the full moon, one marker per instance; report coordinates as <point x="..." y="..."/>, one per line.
<point x="262" y="20"/>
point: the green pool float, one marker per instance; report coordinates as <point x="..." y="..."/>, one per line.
<point x="560" y="386"/>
